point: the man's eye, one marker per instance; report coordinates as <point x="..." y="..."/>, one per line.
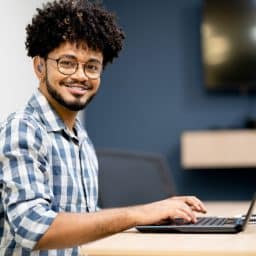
<point x="67" y="64"/>
<point x="93" y="67"/>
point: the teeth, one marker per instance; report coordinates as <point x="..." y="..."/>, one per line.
<point x="78" y="87"/>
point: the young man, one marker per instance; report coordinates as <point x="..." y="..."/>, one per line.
<point x="48" y="167"/>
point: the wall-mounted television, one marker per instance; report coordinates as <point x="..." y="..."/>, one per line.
<point x="228" y="33"/>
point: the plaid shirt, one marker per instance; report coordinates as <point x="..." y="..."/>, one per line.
<point x="44" y="169"/>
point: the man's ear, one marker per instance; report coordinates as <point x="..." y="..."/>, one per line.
<point x="39" y="67"/>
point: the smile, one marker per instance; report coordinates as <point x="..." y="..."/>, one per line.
<point x="83" y="88"/>
<point x="77" y="90"/>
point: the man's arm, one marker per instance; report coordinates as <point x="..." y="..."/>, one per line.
<point x="71" y="229"/>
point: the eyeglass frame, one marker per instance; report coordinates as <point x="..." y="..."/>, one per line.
<point x="77" y="66"/>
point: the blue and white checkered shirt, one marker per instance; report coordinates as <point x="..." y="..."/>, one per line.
<point x="44" y="169"/>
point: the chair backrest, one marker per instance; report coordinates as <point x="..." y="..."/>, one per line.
<point x="128" y="178"/>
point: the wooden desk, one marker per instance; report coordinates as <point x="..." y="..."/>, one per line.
<point x="133" y="243"/>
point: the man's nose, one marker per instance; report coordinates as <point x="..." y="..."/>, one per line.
<point x="80" y="74"/>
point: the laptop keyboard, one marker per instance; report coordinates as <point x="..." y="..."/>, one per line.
<point x="206" y="221"/>
<point x="213" y="221"/>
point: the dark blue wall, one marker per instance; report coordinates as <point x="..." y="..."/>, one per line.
<point x="155" y="91"/>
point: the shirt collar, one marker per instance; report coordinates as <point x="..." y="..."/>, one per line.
<point x="51" y="119"/>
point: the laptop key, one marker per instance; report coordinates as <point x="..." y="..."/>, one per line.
<point x="220" y="221"/>
<point x="230" y="221"/>
<point x="204" y="221"/>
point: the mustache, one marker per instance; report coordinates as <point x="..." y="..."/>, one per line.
<point x="72" y="82"/>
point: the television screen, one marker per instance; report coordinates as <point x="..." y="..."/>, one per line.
<point x="229" y="44"/>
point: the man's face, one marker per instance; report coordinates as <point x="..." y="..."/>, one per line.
<point x="71" y="91"/>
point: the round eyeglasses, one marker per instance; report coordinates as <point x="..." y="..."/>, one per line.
<point x="66" y="66"/>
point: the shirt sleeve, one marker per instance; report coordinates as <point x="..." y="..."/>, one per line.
<point x="26" y="195"/>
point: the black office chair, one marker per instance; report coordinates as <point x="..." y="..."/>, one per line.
<point x="128" y="178"/>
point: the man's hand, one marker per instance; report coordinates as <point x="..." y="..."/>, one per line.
<point x="193" y="202"/>
<point x="175" y="207"/>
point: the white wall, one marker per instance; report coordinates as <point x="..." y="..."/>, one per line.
<point x="17" y="77"/>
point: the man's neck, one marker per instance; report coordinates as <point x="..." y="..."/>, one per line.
<point x="67" y="116"/>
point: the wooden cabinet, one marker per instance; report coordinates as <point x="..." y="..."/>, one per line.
<point x="218" y="149"/>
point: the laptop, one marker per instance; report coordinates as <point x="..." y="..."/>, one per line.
<point x="203" y="224"/>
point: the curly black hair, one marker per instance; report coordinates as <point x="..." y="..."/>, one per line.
<point x="74" y="21"/>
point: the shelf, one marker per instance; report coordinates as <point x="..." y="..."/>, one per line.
<point x="218" y="149"/>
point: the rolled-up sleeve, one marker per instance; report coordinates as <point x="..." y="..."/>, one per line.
<point x="26" y="194"/>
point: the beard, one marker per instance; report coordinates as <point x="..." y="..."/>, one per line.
<point x="75" y="105"/>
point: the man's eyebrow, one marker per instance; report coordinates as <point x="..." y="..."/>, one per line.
<point x="95" y="60"/>
<point x="68" y="56"/>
